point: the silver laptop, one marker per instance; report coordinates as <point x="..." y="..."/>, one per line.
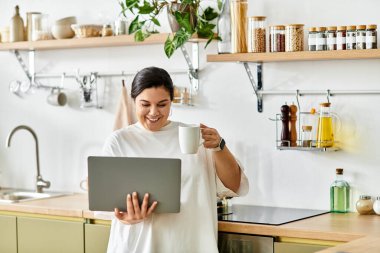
<point x="110" y="179"/>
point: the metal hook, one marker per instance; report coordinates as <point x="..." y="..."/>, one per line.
<point x="298" y="102"/>
<point x="328" y="96"/>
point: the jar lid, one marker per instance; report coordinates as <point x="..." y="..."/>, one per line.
<point x="361" y="27"/>
<point x="312" y="29"/>
<point x="278" y="27"/>
<point x="307" y="128"/>
<point x="259" y="18"/>
<point x="325" y="104"/>
<point x="321" y="29"/>
<point x="365" y="197"/>
<point x="295" y="25"/>
<point x="331" y="28"/>
<point x="339" y="171"/>
<point x="351" y="27"/>
<point x="342" y="28"/>
<point x="371" y="26"/>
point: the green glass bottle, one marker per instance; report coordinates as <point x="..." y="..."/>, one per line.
<point x="339" y="194"/>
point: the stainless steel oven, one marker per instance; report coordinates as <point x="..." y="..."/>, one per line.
<point x="243" y="243"/>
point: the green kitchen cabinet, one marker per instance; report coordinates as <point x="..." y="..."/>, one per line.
<point x="8" y="234"/>
<point x="96" y="238"/>
<point x="49" y="235"/>
<point x="289" y="247"/>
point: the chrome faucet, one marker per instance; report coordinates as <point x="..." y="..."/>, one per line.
<point x="40" y="183"/>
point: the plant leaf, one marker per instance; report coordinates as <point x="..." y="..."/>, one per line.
<point x="131" y="4"/>
<point x="141" y="36"/>
<point x="220" y="4"/>
<point x="183" y="20"/>
<point x="155" y="21"/>
<point x="181" y="37"/>
<point x="146" y="8"/>
<point x="169" y="47"/>
<point x="209" y="14"/>
<point x="135" y="25"/>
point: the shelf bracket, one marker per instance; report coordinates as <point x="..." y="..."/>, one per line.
<point x="259" y="87"/>
<point x="29" y="72"/>
<point x="193" y="65"/>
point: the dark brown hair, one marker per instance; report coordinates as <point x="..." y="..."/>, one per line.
<point x="152" y="77"/>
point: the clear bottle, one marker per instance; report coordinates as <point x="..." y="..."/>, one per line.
<point x="256" y="34"/>
<point x="364" y="205"/>
<point x="331" y="37"/>
<point x="339" y="194"/>
<point x="277" y="38"/>
<point x="325" y="134"/>
<point x="294" y="37"/>
<point x="361" y="37"/>
<point x="371" y="37"/>
<point x="351" y="37"/>
<point x="321" y="43"/>
<point x="341" y="38"/>
<point x="16" y="27"/>
<point x="239" y="27"/>
<point x="306" y="136"/>
<point x="376" y="205"/>
<point x="311" y="38"/>
<point x="224" y="29"/>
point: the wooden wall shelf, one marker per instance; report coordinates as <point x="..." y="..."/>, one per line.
<point x="296" y="56"/>
<point x="112" y="41"/>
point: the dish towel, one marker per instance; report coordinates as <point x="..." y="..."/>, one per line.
<point x="124" y="115"/>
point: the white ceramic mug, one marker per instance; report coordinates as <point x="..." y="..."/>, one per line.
<point x="84" y="184"/>
<point x="57" y="98"/>
<point x="189" y="138"/>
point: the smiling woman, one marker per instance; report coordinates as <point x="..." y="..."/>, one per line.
<point x="211" y="171"/>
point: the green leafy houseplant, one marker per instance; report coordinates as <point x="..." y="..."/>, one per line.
<point x="189" y="15"/>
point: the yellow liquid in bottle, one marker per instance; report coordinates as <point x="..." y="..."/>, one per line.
<point x="325" y="135"/>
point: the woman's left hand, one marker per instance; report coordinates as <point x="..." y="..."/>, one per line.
<point x="211" y="137"/>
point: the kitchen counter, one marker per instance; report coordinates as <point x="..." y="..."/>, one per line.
<point x="358" y="233"/>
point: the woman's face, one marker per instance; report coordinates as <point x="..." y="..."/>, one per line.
<point x="153" y="108"/>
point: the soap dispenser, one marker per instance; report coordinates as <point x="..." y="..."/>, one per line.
<point x="16" y="27"/>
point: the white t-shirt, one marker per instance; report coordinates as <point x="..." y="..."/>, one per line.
<point x="194" y="228"/>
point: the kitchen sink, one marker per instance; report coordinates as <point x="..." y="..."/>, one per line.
<point x="16" y="196"/>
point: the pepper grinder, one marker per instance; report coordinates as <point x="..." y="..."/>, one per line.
<point x="293" y="129"/>
<point x="285" y="125"/>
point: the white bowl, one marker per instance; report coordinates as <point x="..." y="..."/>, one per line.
<point x="62" y="31"/>
<point x="66" y="21"/>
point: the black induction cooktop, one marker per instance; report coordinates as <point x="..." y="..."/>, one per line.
<point x="267" y="215"/>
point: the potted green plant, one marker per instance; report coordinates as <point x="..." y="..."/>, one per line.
<point x="186" y="18"/>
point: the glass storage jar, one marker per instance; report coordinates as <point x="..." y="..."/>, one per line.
<point x="351" y="37"/>
<point x="306" y="136"/>
<point x="311" y="38"/>
<point x="107" y="30"/>
<point x="256" y="34"/>
<point x="321" y="43"/>
<point x="331" y="37"/>
<point x="341" y="38"/>
<point x="238" y="10"/>
<point x="277" y="38"/>
<point x="361" y="37"/>
<point x="364" y="205"/>
<point x="371" y="37"/>
<point x="294" y="37"/>
<point x="376" y="206"/>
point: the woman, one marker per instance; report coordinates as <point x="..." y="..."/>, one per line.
<point x="204" y="175"/>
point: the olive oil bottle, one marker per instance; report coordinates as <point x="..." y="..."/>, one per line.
<point x="339" y="194"/>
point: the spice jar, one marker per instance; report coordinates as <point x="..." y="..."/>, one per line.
<point x="321" y="43"/>
<point x="376" y="206"/>
<point x="107" y="30"/>
<point x="306" y="136"/>
<point x="364" y="205"/>
<point x="351" y="37"/>
<point x="341" y="38"/>
<point x="311" y="38"/>
<point x="361" y="37"/>
<point x="331" y="37"/>
<point x="256" y="34"/>
<point x="277" y="38"/>
<point x="239" y="10"/>
<point x="294" y="37"/>
<point x="371" y="37"/>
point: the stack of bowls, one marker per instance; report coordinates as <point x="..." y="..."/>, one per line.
<point x="62" y="28"/>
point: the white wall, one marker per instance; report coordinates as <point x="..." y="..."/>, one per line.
<point x="225" y="101"/>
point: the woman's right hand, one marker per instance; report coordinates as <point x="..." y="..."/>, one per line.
<point x="135" y="213"/>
